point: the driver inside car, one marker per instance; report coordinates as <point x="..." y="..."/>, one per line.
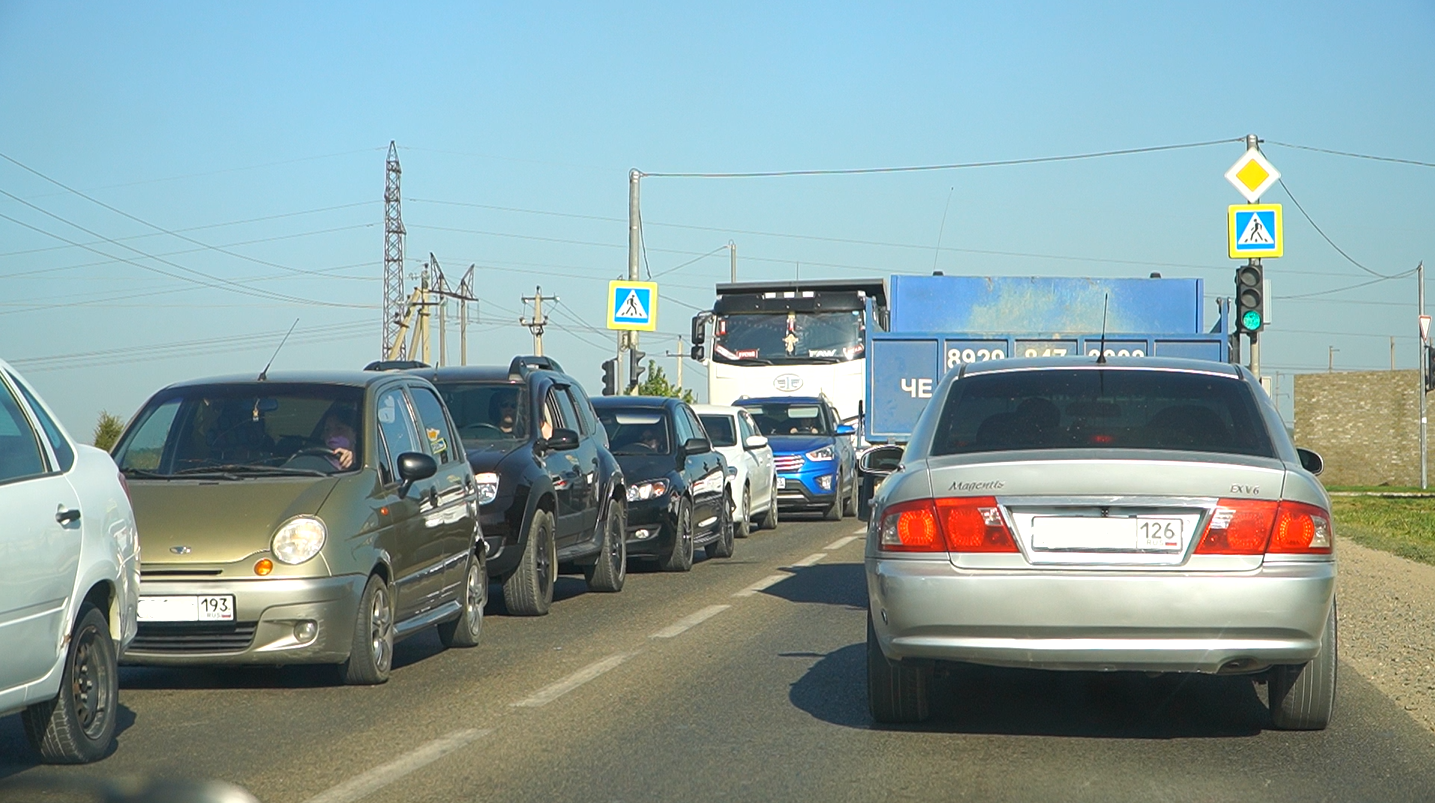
<point x="503" y="410"/>
<point x="339" y="437"/>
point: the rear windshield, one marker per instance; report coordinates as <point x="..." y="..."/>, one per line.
<point x="720" y="429"/>
<point x="1101" y="409"/>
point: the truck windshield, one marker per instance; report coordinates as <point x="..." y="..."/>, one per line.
<point x="789" y="338"/>
<point x="1101" y="409"/>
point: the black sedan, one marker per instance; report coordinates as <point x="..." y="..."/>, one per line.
<point x="676" y="490"/>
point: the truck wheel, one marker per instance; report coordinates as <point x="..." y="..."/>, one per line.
<point x="742" y="525"/>
<point x="78" y="726"/>
<point x="465" y="630"/>
<point x="610" y="570"/>
<point x="529" y="590"/>
<point x="1303" y="697"/>
<point x="895" y="692"/>
<point x="680" y="557"/>
<point x="371" y="652"/>
<point x="723" y="547"/>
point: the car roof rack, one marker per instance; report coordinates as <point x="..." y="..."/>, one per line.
<point x="395" y="365"/>
<point x="524" y="363"/>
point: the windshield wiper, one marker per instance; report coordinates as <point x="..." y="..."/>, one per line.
<point x="229" y="470"/>
<point x="143" y="474"/>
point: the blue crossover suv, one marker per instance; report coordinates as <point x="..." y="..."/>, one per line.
<point x="814" y="451"/>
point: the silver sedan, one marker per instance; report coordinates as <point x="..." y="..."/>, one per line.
<point x="1140" y="514"/>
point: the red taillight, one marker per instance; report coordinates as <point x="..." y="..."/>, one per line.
<point x="1253" y="527"/>
<point x="1301" y="528"/>
<point x="955" y="524"/>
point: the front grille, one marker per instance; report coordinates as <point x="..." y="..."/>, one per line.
<point x="787" y="463"/>
<point x="190" y="637"/>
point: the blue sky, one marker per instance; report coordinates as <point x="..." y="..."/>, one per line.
<point x="261" y="130"/>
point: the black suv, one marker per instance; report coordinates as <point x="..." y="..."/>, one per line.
<point x="552" y="495"/>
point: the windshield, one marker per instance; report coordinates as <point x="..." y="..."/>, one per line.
<point x="789" y="338"/>
<point x="636" y="431"/>
<point x="1101" y="409"/>
<point x="232" y="430"/>
<point x="720" y="429"/>
<point x="487" y="411"/>
<point x="779" y="419"/>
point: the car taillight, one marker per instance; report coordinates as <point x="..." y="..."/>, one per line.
<point x="1253" y="527"/>
<point x="952" y="524"/>
<point x="1301" y="529"/>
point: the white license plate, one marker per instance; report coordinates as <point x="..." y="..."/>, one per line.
<point x="1092" y="534"/>
<point x="781" y="483"/>
<point x="207" y="608"/>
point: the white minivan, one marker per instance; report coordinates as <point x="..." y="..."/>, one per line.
<point x="71" y="560"/>
<point x="752" y="474"/>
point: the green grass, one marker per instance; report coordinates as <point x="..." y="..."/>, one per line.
<point x="1377" y="489"/>
<point x="1403" y="526"/>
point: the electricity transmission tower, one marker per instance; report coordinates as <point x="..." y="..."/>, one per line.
<point x="394" y="300"/>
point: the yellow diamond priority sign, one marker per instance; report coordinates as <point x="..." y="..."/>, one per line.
<point x="1252" y="175"/>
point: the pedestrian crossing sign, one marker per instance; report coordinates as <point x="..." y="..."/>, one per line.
<point x="633" y="305"/>
<point x="1255" y="230"/>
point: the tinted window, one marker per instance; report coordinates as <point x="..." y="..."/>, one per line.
<point x="244" y="427"/>
<point x="487" y="411"/>
<point x="396" y="427"/>
<point x="435" y="425"/>
<point x="746" y="423"/>
<point x="636" y="431"/>
<point x="20" y="454"/>
<point x="570" y="411"/>
<point x="720" y="429"/>
<point x="1100" y="409"/>
<point x="63" y="453"/>
<point x="790" y="419"/>
<point x="695" y="427"/>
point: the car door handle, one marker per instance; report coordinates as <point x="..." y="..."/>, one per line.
<point x="65" y="516"/>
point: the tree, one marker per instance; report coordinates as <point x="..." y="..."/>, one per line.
<point x="107" y="430"/>
<point x="656" y="384"/>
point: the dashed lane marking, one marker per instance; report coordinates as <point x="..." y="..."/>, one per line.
<point x="811" y="560"/>
<point x="860" y="531"/>
<point x="766" y="582"/>
<point x="552" y="692"/>
<point x="365" y="784"/>
<point x="841" y="542"/>
<point x="689" y="621"/>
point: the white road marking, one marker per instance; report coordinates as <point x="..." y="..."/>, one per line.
<point x="689" y="621"/>
<point x="766" y="582"/>
<point x="841" y="542"/>
<point x="552" y="692"/>
<point x="862" y="531"/>
<point x="811" y="560"/>
<point x="367" y="783"/>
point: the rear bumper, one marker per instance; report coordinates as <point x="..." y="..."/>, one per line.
<point x="1105" y="621"/>
<point x="269" y="609"/>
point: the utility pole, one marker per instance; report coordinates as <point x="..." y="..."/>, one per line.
<point x="634" y="246"/>
<point x="732" y="254"/>
<point x="465" y="295"/>
<point x="393" y="254"/>
<point x="440" y="286"/>
<point x="680" y="355"/>
<point x="539" y="320"/>
<point x="1392" y="352"/>
<point x="1424" y="366"/>
<point x="1330" y="364"/>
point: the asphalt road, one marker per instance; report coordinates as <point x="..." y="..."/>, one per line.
<point x="743" y="680"/>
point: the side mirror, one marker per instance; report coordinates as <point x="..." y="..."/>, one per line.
<point x="698" y="353"/>
<point x="1310" y="461"/>
<point x="697" y="446"/>
<point x="562" y="440"/>
<point x="699" y="330"/>
<point x="846" y="429"/>
<point x="754" y="442"/>
<point x="880" y="460"/>
<point x="414" y="466"/>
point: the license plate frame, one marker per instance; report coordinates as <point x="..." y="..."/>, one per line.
<point x="187" y="608"/>
<point x="1130" y="534"/>
<point x="781" y="483"/>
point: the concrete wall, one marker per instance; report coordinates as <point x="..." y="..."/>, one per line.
<point x="1366" y="424"/>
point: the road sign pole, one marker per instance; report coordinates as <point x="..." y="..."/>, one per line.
<point x="634" y="238"/>
<point x="1255" y="337"/>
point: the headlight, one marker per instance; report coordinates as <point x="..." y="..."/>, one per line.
<point x="298" y="540"/>
<point x="487" y="486"/>
<point x="651" y="489"/>
<point x="820" y="455"/>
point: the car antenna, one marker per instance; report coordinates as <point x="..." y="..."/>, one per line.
<point x="264" y="375"/>
<point x="1100" y="352"/>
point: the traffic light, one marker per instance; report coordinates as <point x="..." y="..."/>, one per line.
<point x="635" y="367"/>
<point x="1250" y="305"/>
<point x="610" y="377"/>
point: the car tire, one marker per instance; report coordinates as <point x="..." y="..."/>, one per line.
<point x="1302" y="697"/>
<point x="896" y="693"/>
<point x="371" y="652"/>
<point x="742" y="525"/>
<point x="78" y="726"/>
<point x="723" y="546"/>
<point x="834" y="513"/>
<point x="680" y="557"/>
<point x="464" y="631"/>
<point x="769" y="519"/>
<point x="849" y="502"/>
<point x="610" y="570"/>
<point x="529" y="590"/>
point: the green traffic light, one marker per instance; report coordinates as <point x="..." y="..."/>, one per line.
<point x="1250" y="320"/>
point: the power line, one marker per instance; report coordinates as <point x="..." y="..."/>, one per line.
<point x="1352" y="155"/>
<point x="955" y="166"/>
<point x="1338" y="249"/>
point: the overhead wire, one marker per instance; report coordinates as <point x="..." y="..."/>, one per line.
<point x="1323" y="236"/>
<point x="1350" y="154"/>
